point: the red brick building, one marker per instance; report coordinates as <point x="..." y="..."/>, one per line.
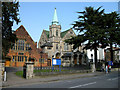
<point x="25" y="49"/>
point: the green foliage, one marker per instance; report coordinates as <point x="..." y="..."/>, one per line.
<point x="88" y="25"/>
<point x="90" y="29"/>
<point x="96" y="28"/>
<point x="20" y="73"/>
<point x="9" y="15"/>
<point x="111" y="26"/>
<point x="49" y="70"/>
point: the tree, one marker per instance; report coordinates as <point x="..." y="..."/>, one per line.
<point x="90" y="29"/>
<point x="96" y="29"/>
<point x="111" y="24"/>
<point x="9" y="15"/>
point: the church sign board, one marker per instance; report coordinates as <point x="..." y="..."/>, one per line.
<point x="56" y="62"/>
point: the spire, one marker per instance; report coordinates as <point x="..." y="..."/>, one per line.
<point x="55" y="19"/>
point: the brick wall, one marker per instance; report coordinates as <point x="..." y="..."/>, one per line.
<point x="34" y="53"/>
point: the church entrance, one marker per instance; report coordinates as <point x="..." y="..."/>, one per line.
<point x="57" y="55"/>
<point x="49" y="62"/>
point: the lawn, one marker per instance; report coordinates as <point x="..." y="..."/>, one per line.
<point x="20" y="73"/>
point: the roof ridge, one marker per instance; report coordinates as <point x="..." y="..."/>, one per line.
<point x="64" y="33"/>
<point x="65" y="30"/>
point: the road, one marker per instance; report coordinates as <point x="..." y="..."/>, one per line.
<point x="109" y="80"/>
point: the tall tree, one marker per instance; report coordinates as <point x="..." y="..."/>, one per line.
<point x="9" y="15"/>
<point x="89" y="27"/>
<point x="111" y="24"/>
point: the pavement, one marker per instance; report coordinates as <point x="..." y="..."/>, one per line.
<point x="13" y="80"/>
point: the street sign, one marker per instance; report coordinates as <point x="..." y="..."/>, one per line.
<point x="110" y="63"/>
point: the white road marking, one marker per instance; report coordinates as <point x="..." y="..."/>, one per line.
<point x="69" y="81"/>
<point x="95" y="77"/>
<point x="83" y="85"/>
<point x="112" y="78"/>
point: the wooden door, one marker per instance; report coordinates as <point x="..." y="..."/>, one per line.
<point x="7" y="63"/>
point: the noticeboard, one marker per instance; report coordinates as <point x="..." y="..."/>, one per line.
<point x="56" y="61"/>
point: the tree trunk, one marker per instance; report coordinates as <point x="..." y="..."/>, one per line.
<point x="95" y="56"/>
<point x="111" y="52"/>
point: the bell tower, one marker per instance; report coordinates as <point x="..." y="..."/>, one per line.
<point x="55" y="28"/>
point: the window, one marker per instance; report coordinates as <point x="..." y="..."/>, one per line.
<point x="20" y="58"/>
<point x="56" y="32"/>
<point x="21" y="53"/>
<point x="14" y="58"/>
<point x="21" y="44"/>
<point x="48" y="47"/>
<point x="43" y="38"/>
<point x="41" y="60"/>
<point x="27" y="46"/>
<point x="56" y="46"/>
<point x="66" y="46"/>
<point x="25" y="58"/>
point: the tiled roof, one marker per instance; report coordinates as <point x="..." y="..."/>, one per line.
<point x="48" y="44"/>
<point x="47" y="33"/>
<point x="62" y="33"/>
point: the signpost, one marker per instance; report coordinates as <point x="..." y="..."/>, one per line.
<point x="56" y="62"/>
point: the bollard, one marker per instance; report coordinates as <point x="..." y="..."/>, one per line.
<point x="5" y="78"/>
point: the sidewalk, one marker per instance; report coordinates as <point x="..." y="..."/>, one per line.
<point x="14" y="80"/>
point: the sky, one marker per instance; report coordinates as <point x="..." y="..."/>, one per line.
<point x="36" y="16"/>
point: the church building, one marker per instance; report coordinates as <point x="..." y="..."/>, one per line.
<point x="52" y="42"/>
<point x="24" y="50"/>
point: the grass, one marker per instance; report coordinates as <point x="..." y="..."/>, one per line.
<point x="20" y="73"/>
<point x="49" y="70"/>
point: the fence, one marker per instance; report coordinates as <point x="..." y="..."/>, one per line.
<point x="38" y="71"/>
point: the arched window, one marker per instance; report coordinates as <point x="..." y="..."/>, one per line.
<point x="66" y="46"/>
<point x="56" y="32"/>
<point x="56" y="46"/>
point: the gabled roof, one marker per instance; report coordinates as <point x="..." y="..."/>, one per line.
<point x="21" y="31"/>
<point x="47" y="33"/>
<point x="64" y="33"/>
<point x="48" y="44"/>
